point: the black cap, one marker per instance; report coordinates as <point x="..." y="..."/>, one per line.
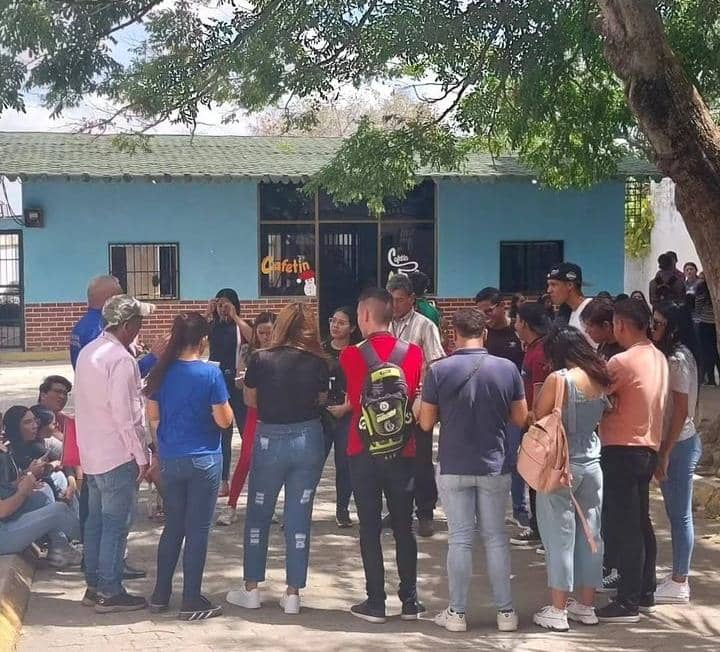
<point x="567" y="272"/>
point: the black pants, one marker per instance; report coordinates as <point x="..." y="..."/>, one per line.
<point x="426" y="493"/>
<point x="707" y="334"/>
<point x="239" y="411"/>
<point x="628" y="471"/>
<point x="371" y="478"/>
<point x="533" y="513"/>
<point x="610" y="548"/>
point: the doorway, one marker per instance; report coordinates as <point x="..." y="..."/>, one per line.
<point x="348" y="263"/>
<point x="11" y="291"/>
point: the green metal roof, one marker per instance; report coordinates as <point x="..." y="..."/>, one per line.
<point x="220" y="158"/>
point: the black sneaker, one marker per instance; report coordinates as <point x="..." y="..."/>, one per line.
<point x="158" y="604"/>
<point x="425" y="527"/>
<point x="616" y="612"/>
<point x="342" y="518"/>
<point x="131" y="573"/>
<point x="120" y="602"/>
<point x="647" y="604"/>
<point x="412" y="609"/>
<point x="610" y="583"/>
<point x="200" y="609"/>
<point x="527" y="537"/>
<point x="90" y="599"/>
<point x="369" y="613"/>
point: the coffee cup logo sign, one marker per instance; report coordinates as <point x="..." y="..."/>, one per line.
<point x="401" y="263"/>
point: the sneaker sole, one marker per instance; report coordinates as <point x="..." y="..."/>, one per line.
<point x="672" y="600"/>
<point x="158" y="608"/>
<point x="453" y="628"/>
<point x="607" y="591"/>
<point x="342" y="525"/>
<point x="377" y="620"/>
<point x="621" y="620"/>
<point x="507" y="628"/>
<point x="411" y="616"/>
<point x="119" y="608"/>
<point x="243" y="606"/>
<point x="647" y="610"/>
<point x="287" y="612"/>
<point x="551" y="627"/>
<point x="582" y="621"/>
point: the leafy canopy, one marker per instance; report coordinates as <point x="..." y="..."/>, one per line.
<point x="526" y="76"/>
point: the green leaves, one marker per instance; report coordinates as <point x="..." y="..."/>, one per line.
<point x="526" y="76"/>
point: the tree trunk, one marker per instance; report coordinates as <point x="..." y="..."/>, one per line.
<point x="674" y="118"/>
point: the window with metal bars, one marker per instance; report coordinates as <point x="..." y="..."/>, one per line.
<point x="636" y="190"/>
<point x="146" y="270"/>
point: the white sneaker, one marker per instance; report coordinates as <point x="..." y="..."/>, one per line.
<point x="672" y="592"/>
<point x="64" y="557"/>
<point x="451" y="620"/>
<point x="507" y="621"/>
<point x="227" y="517"/>
<point x="551" y="618"/>
<point x="581" y="613"/>
<point x="290" y="604"/>
<point x="244" y="598"/>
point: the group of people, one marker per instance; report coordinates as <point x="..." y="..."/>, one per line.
<point x="623" y="376"/>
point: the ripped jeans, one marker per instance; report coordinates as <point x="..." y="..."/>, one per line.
<point x="290" y="455"/>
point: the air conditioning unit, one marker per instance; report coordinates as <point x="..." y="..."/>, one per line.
<point x="34" y="218"/>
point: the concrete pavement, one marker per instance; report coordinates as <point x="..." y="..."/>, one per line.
<point x="55" y="618"/>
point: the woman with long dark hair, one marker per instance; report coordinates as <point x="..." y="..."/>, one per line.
<point x="261" y="338"/>
<point x="681" y="448"/>
<point x="336" y="421"/>
<point x="287" y="383"/>
<point x="572" y="565"/>
<point x="187" y="409"/>
<point x="228" y="332"/>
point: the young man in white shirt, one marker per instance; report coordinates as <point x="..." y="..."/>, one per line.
<point x="564" y="285"/>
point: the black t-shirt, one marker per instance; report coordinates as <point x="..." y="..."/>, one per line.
<point x="288" y="382"/>
<point x="223" y="347"/>
<point x="608" y="349"/>
<point x="338" y="385"/>
<point x="505" y="343"/>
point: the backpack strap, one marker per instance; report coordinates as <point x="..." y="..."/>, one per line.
<point x="400" y="350"/>
<point x="560" y="393"/>
<point x="369" y="354"/>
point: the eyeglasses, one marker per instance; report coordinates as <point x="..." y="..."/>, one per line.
<point x="338" y="322"/>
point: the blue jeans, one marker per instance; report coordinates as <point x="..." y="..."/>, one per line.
<point x="336" y="436"/>
<point x="677" y="491"/>
<point x="111" y="504"/>
<point x="190" y="487"/>
<point x="571" y="564"/>
<point x="38" y="516"/>
<point x="470" y="502"/>
<point x="290" y="455"/>
<point x="517" y="486"/>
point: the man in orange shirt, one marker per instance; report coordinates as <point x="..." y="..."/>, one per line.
<point x="630" y="435"/>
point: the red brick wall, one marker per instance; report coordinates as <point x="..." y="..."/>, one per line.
<point x="48" y="325"/>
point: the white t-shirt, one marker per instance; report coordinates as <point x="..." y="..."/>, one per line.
<point x="577" y="322"/>
<point x="683" y="378"/>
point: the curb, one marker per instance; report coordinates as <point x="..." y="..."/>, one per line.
<point x="16" y="574"/>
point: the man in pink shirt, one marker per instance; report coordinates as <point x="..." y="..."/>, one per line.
<point x="630" y="435"/>
<point x="111" y="440"/>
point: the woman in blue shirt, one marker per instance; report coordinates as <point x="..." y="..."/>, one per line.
<point x="187" y="409"/>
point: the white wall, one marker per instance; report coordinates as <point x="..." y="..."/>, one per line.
<point x="669" y="234"/>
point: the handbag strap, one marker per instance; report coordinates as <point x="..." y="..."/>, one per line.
<point x="585" y="526"/>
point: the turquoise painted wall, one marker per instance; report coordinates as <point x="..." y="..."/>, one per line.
<point x="216" y="226"/>
<point x="475" y="217"/>
<point x="214" y="223"/>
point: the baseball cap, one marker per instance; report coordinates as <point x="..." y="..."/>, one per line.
<point x="567" y="272"/>
<point x="122" y="308"/>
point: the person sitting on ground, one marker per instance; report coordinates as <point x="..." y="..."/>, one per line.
<point x="29" y="512"/>
<point x="681" y="446"/>
<point x="373" y="475"/>
<point x="631" y="434"/>
<point x="287" y="384"/>
<point x="48" y="433"/>
<point x="573" y="563"/>
<point x="261" y="338"/>
<point x="476" y="396"/>
<point x="597" y="318"/>
<point x="565" y="283"/>
<point x="26" y="446"/>
<point x="187" y="407"/>
<point x="532" y="325"/>
<point x="667" y="286"/>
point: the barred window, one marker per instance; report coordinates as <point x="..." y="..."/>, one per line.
<point x="636" y="192"/>
<point x="146" y="270"/>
